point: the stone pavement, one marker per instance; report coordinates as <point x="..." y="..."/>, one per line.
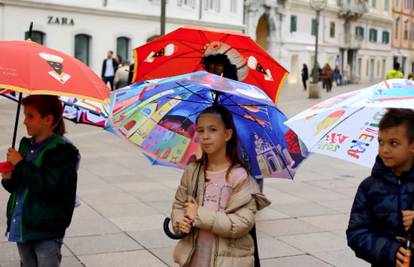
<point x="125" y="199"/>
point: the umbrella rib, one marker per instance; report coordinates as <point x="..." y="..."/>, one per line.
<point x="202" y="97"/>
<point x="186" y="100"/>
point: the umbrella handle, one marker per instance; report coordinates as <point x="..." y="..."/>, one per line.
<point x="168" y="232"/>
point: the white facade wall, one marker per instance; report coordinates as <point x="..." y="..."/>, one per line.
<point x="296" y="48"/>
<point x="136" y="19"/>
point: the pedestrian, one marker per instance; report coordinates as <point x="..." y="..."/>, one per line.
<point x="410" y="77"/>
<point x="109" y="66"/>
<point x="305" y="76"/>
<point x="119" y="62"/>
<point x="42" y="184"/>
<point x="327" y="77"/>
<point x="395" y="73"/>
<point x="337" y="77"/>
<point x="218" y="221"/>
<point x="383" y="205"/>
<point x="121" y="76"/>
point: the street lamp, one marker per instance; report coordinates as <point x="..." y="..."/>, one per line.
<point x="318" y="6"/>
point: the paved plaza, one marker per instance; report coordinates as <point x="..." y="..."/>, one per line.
<point x="125" y="199"/>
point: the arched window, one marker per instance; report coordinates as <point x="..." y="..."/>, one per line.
<point x="82" y="47"/>
<point x="122" y="48"/>
<point x="37" y="36"/>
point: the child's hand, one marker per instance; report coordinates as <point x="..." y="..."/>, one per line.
<point x="402" y="256"/>
<point x="190" y="209"/>
<point x="13" y="156"/>
<point x="184" y="226"/>
<point x="407" y="217"/>
<point x="6" y="175"/>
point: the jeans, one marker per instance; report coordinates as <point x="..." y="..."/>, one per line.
<point x="44" y="253"/>
<point x="109" y="79"/>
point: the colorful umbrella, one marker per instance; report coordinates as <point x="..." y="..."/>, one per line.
<point x="346" y="126"/>
<point x="182" y="51"/>
<point x="28" y="67"/>
<point x="74" y="109"/>
<point x="159" y="117"/>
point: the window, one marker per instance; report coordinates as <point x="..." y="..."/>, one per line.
<point x="189" y="3"/>
<point x="314" y="27"/>
<point x="359" y="33"/>
<point x="386" y="5"/>
<point x="374" y="3"/>
<point x="332" y="29"/>
<point x="212" y="5"/>
<point x="373" y="35"/>
<point x="37" y="36"/>
<point x="293" y="23"/>
<point x="406" y="30"/>
<point x="407" y="4"/>
<point x="397" y="28"/>
<point x="385" y="37"/>
<point x="122" y="48"/>
<point x="82" y="42"/>
<point x="233" y="6"/>
<point x="397" y="3"/>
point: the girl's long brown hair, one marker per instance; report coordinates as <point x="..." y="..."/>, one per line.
<point x="232" y="144"/>
<point x="48" y="105"/>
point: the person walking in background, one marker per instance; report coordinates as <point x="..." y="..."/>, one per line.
<point x="337" y="77"/>
<point x="395" y="73"/>
<point x="305" y="76"/>
<point x="327" y="77"/>
<point x="224" y="210"/>
<point x="121" y="76"/>
<point x="109" y="67"/>
<point x="410" y="77"/>
<point x="384" y="203"/>
<point x="119" y="61"/>
<point x="42" y="185"/>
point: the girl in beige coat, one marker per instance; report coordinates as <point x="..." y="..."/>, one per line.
<point x="218" y="221"/>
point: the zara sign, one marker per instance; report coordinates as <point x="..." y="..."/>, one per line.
<point x="60" y="21"/>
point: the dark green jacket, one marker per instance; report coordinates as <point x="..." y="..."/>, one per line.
<point x="50" y="189"/>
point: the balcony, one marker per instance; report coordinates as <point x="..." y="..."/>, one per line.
<point x="352" y="9"/>
<point x="351" y="41"/>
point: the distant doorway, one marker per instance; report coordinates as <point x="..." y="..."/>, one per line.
<point x="262" y="32"/>
<point x="294" y="69"/>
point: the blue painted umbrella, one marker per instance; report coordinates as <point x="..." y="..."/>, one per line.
<point x="159" y="117"/>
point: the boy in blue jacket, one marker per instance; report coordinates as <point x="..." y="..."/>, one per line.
<point x="384" y="203"/>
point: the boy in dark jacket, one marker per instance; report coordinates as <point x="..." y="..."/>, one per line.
<point x="384" y="203"/>
<point x="42" y="185"/>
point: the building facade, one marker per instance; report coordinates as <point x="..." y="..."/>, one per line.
<point x="354" y="35"/>
<point x="88" y="29"/>
<point x="403" y="34"/>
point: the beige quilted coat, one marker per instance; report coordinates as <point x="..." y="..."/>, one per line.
<point x="233" y="244"/>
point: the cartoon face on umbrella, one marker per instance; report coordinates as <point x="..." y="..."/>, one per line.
<point x="56" y="63"/>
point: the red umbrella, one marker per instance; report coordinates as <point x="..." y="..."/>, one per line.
<point x="31" y="68"/>
<point x="27" y="67"/>
<point x="182" y="51"/>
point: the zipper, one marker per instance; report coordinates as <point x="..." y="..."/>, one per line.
<point x="26" y="192"/>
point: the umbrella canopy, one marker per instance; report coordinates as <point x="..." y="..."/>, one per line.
<point x="346" y="126"/>
<point x="76" y="110"/>
<point x="182" y="51"/>
<point x="31" y="68"/>
<point x="159" y="117"/>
